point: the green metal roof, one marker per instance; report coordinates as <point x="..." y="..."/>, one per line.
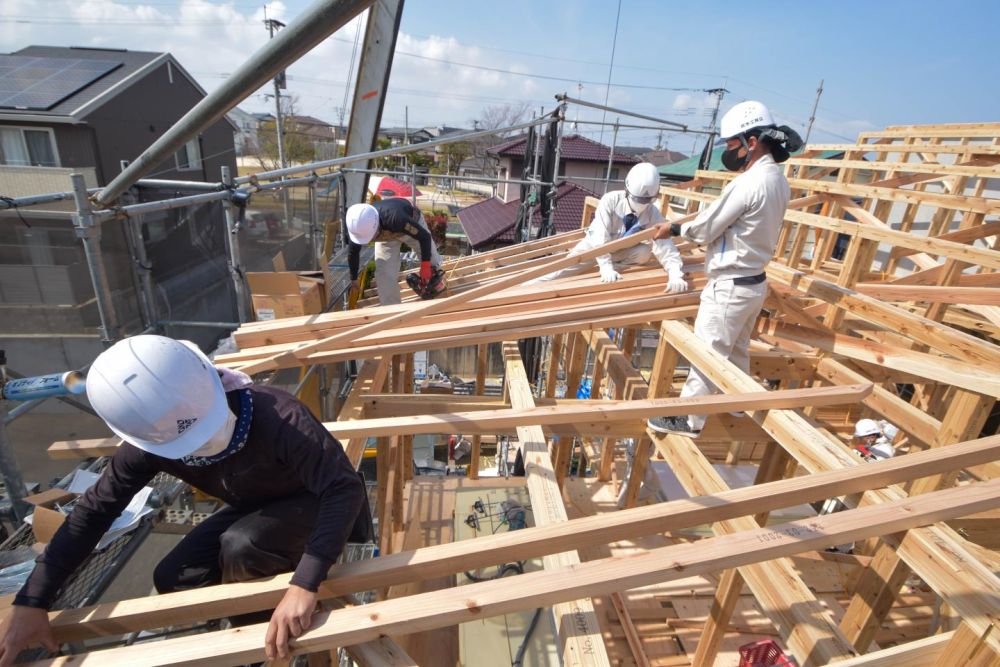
<point x="685" y="169"/>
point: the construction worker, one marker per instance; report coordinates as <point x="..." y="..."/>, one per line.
<point x="622" y="213"/>
<point x="292" y="497"/>
<point x="873" y="439"/>
<point x="739" y="231"/>
<point x="390" y="222"/>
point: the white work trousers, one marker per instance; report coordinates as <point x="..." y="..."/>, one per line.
<point x="634" y="256"/>
<point x="725" y="320"/>
<point x="387" y="264"/>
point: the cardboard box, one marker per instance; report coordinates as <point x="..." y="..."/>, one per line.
<point x="46" y="519"/>
<point x="284" y="294"/>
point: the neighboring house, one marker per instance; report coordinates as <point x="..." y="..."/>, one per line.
<point x="582" y="161"/>
<point x="490" y="223"/>
<point x="324" y="137"/>
<point x="245" y="136"/>
<point x="399" y="136"/>
<point x="661" y="157"/>
<point x="88" y="111"/>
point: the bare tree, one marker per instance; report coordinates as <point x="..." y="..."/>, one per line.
<point x="299" y="146"/>
<point x="493" y="117"/>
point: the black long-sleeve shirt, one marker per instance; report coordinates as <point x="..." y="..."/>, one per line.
<point x="395" y="216"/>
<point x="287" y="452"/>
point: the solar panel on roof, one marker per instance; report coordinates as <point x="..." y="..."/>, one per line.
<point x="39" y="84"/>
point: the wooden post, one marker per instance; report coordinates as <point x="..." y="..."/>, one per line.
<point x="482" y="351"/>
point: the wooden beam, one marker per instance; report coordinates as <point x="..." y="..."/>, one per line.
<point x="371" y="378"/>
<point x="805" y="626"/>
<point x="492" y="598"/>
<point x="576" y="622"/>
<point x="938" y="336"/>
<point x="484" y="421"/>
<point x="934" y="553"/>
<point x="217" y="601"/>
<point x="302" y="352"/>
<point x="918" y="653"/>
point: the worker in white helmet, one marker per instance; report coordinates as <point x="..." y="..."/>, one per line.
<point x="293" y="499"/>
<point x="739" y="231"/>
<point x="390" y="223"/>
<point x="622" y="213"/>
<point x="873" y="439"/>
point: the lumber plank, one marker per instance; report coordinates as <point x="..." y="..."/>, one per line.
<point x="83" y="449"/>
<point x="576" y="622"/>
<point x="429" y="307"/>
<point x="491" y="598"/>
<point x="484" y="421"/>
<point x="223" y="600"/>
<point x="935" y="553"/>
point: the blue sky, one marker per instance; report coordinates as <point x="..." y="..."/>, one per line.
<point x="883" y="61"/>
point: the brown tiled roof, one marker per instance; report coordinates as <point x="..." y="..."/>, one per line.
<point x="492" y="220"/>
<point x="574" y="147"/>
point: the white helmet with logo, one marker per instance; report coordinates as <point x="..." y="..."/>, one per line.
<point x="866" y="427"/>
<point x="162" y="395"/>
<point x="642" y="183"/>
<point x="362" y="223"/>
<point x="744" y="116"/>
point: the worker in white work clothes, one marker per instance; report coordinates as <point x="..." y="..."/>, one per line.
<point x="623" y="213"/>
<point x="292" y="498"/>
<point x="390" y="223"/>
<point x="873" y="439"/>
<point x="739" y="231"/>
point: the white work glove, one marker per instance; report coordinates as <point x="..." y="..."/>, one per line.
<point x="676" y="283"/>
<point x="608" y="274"/>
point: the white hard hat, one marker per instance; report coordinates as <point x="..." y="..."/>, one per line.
<point x="643" y="181"/>
<point x="866" y="427"/>
<point x="162" y="395"/>
<point x="744" y="116"/>
<point x="362" y="223"/>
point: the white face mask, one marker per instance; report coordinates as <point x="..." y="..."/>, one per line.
<point x="637" y="208"/>
<point x="218" y="442"/>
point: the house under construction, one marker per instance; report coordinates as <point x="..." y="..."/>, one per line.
<point x="618" y="545"/>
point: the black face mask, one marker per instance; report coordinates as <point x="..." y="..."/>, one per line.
<point x="731" y="159"/>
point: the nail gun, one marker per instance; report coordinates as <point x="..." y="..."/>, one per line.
<point x="430" y="288"/>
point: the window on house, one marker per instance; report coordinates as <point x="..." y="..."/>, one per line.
<point x="26" y="147"/>
<point x="614" y="174"/>
<point x="189" y="156"/>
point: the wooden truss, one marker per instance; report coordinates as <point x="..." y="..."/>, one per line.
<point x="883" y="303"/>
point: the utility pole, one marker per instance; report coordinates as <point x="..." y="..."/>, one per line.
<point x="706" y="156"/>
<point x="659" y="141"/>
<point x="812" y="116"/>
<point x="279" y="122"/>
<point x="406" y="135"/>
<point x="579" y="93"/>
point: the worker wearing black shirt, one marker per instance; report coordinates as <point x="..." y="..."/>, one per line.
<point x="293" y="500"/>
<point x="389" y="222"/>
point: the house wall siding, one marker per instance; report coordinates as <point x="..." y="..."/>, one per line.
<point x="129" y="122"/>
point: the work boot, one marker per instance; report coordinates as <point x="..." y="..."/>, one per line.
<point x="673" y="425"/>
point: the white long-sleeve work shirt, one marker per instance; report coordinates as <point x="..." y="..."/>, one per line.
<point x="609" y="225"/>
<point x="740" y="229"/>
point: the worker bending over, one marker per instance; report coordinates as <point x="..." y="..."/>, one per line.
<point x="293" y="500"/>
<point x="739" y="231"/>
<point x="389" y="223"/>
<point x="873" y="439"/>
<point x="623" y="213"/>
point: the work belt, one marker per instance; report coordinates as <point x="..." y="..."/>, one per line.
<point x="750" y="280"/>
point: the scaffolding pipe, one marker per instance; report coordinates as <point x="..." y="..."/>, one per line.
<point x="563" y="97"/>
<point x="197" y="324"/>
<point x="397" y="150"/>
<point x="316" y="23"/>
<point x="451" y="177"/>
<point x="235" y="263"/>
<point x="89" y="232"/>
